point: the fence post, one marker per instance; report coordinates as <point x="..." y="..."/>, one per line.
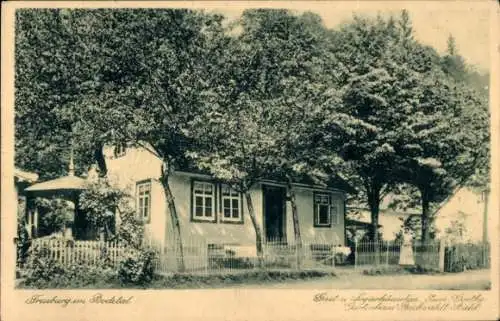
<point x="387" y="253"/>
<point x="334" y="255"/>
<point x="442" y="247"/>
<point x="355" y="253"/>
<point x="415" y="255"/>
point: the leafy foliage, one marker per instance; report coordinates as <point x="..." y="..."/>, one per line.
<point x="45" y="272"/>
<point x="277" y="95"/>
<point x="23" y="242"/>
<point x="131" y="228"/>
<point x="100" y="202"/>
<point x="460" y="257"/>
<point x="55" y="215"/>
<point x="137" y="267"/>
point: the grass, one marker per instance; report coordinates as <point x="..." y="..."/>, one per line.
<point x="482" y="285"/>
<point x="216" y="280"/>
<point x="249" y="277"/>
<point x="398" y="270"/>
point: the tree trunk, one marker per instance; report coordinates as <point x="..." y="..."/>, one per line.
<point x="374" y="203"/>
<point x="174" y="217"/>
<point x="296" y="227"/>
<point x="258" y="233"/>
<point x="100" y="160"/>
<point x="425" y="216"/>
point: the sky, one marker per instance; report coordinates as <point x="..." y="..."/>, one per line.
<point x="433" y="21"/>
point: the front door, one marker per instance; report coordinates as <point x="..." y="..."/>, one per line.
<point x="274" y="213"/>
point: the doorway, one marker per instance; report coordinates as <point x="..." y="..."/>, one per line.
<point x="274" y="199"/>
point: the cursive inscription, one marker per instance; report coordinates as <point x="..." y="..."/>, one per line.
<point x="97" y="298"/>
<point x="408" y="302"/>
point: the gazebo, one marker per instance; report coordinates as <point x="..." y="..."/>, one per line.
<point x="68" y="188"/>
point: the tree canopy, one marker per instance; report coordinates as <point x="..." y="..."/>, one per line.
<point x="273" y="93"/>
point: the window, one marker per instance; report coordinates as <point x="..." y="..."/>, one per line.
<point x="231" y="205"/>
<point x="203" y="201"/>
<point x="143" y="201"/>
<point x="322" y="215"/>
<point x="119" y="150"/>
<point x="327" y="209"/>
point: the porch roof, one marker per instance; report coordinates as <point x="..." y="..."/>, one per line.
<point x="62" y="184"/>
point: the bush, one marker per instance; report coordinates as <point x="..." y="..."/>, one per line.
<point x="385" y="270"/>
<point x="465" y="256"/>
<point x="418" y="269"/>
<point x="99" y="202"/>
<point x="23" y="243"/>
<point x="55" y="215"/>
<point x="137" y="267"/>
<point x="45" y="272"/>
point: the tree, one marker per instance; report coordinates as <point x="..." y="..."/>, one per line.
<point x="57" y="72"/>
<point x="270" y="107"/>
<point x="448" y="139"/>
<point x="377" y="82"/>
<point x="112" y="76"/>
<point x="446" y="146"/>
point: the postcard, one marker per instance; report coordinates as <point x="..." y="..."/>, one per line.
<point x="279" y="160"/>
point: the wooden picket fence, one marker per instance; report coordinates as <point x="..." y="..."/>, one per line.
<point x="69" y="252"/>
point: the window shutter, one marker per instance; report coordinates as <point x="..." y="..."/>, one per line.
<point x="334" y="210"/>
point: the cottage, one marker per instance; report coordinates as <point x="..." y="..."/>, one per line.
<point x="210" y="211"/>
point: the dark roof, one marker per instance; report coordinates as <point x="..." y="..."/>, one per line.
<point x="356" y="223"/>
<point x="334" y="182"/>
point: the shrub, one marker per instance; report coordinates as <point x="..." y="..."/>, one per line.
<point x="45" y="272"/>
<point x="99" y="202"/>
<point x="384" y="270"/>
<point x="56" y="214"/>
<point x="465" y="256"/>
<point x="41" y="268"/>
<point x="419" y="269"/>
<point x="137" y="267"/>
<point x="23" y="243"/>
<point x="131" y="229"/>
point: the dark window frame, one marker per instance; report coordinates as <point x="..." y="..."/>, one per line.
<point x="221" y="207"/>
<point x="315" y="210"/>
<point x="119" y="150"/>
<point x="139" y="213"/>
<point x="214" y="198"/>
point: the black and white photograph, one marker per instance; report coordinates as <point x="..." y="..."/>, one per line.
<point x="251" y="147"/>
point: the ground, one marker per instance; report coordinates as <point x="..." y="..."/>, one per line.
<point x="469" y="280"/>
<point x="343" y="278"/>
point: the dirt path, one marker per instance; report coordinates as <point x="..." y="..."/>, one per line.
<point x="470" y="280"/>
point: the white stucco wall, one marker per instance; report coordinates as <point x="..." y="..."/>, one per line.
<point x="135" y="166"/>
<point x="309" y="233"/>
<point x="465" y="205"/>
<point x="211" y="232"/>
